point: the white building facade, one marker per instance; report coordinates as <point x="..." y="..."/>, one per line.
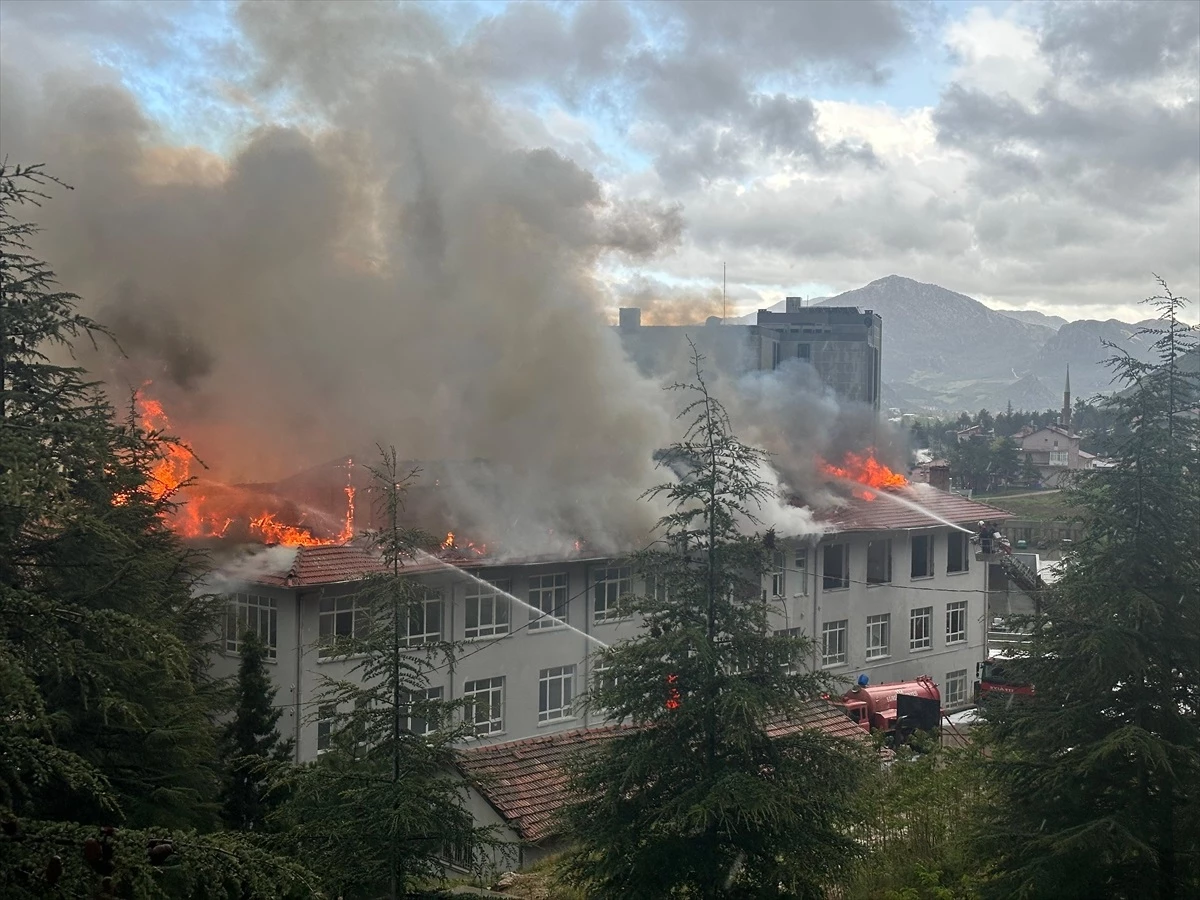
<point x="891" y="602"/>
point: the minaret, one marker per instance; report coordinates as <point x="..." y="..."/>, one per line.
<point x="1066" y="410"/>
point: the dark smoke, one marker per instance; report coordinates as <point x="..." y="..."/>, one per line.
<point x="399" y="269"/>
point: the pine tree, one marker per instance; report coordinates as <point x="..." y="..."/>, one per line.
<point x="383" y="809"/>
<point x="107" y="719"/>
<point x="1096" y="778"/>
<point x="253" y="747"/>
<point x="696" y="799"/>
<point x="1006" y="460"/>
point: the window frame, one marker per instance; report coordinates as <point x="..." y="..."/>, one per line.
<point x="882" y="649"/>
<point x="778" y="575"/>
<point x="958" y="539"/>
<point x="957" y="677"/>
<point x="475" y="595"/>
<point x="800" y="567"/>
<point x="326" y="717"/>
<point x="432" y="599"/>
<point x="238" y="619"/>
<point x="835" y="626"/>
<point x="543" y="620"/>
<point x="564" y="677"/>
<point x="952" y="608"/>
<point x="616" y="607"/>
<point x="916" y="642"/>
<point x="930" y="571"/>
<point x="429" y="726"/>
<point x="359" y="615"/>
<point x="494" y="690"/>
<point x="887" y="547"/>
<point x="841" y="582"/>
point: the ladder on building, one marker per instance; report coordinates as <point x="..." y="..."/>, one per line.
<point x="1026" y="578"/>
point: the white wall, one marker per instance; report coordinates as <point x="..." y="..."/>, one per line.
<point x="898" y="599"/>
<point x="520" y="656"/>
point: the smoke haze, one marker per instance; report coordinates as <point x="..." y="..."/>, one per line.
<point x="397" y="269"/>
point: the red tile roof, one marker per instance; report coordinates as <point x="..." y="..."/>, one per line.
<point x="526" y="783"/>
<point x="883" y="514"/>
<point x="334" y="564"/>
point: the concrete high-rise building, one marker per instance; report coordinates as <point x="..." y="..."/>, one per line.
<point x="843" y="344"/>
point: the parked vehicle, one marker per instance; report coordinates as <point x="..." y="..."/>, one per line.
<point x="894" y="708"/>
<point x="992" y="680"/>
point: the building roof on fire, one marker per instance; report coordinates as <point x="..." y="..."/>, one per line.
<point x="336" y="563"/>
<point x="881" y="514"/>
<point x="526" y="783"/>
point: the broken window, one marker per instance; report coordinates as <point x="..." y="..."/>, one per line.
<point x="879" y="562"/>
<point x="956" y="552"/>
<point x="836" y="567"/>
<point x="922" y="556"/>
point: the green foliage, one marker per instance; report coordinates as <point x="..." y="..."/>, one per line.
<point x="107" y="715"/>
<point x="253" y="748"/>
<point x="381" y="811"/>
<point x="920" y="812"/>
<point x="1096" y="778"/>
<point x="697" y="799"/>
<point x="140" y="865"/>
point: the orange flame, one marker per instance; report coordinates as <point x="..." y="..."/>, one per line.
<point x="865" y="470"/>
<point x="199" y="515"/>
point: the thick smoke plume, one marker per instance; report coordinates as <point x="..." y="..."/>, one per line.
<point x="398" y="269"/>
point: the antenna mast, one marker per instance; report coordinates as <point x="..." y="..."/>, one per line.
<point x="723" y="293"/>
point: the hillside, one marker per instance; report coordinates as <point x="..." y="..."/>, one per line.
<point x="931" y="334"/>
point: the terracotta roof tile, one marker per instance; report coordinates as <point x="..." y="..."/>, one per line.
<point x="882" y="514"/>
<point x="334" y="564"/>
<point x="525" y="781"/>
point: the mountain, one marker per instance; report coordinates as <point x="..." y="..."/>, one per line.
<point x="1082" y="346"/>
<point x="1034" y="317"/>
<point x="945" y="350"/>
<point x="932" y="335"/>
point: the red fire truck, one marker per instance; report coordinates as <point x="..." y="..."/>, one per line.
<point x="915" y="704"/>
<point x="993" y="680"/>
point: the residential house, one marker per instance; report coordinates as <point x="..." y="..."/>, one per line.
<point x="1054" y="452"/>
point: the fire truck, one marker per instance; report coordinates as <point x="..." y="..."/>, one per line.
<point x="993" y="680"/>
<point x="894" y="708"/>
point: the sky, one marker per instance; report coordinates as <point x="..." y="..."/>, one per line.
<point x="1032" y="155"/>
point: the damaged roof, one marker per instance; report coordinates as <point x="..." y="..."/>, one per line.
<point x="336" y="563"/>
<point x="882" y="514"/>
<point x="526" y="783"/>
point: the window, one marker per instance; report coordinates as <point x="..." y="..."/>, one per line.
<point x="489" y="611"/>
<point x="788" y="663"/>
<point x="1058" y="458"/>
<point x="325" y="717"/>
<point x="833" y="643"/>
<point x="920" y="628"/>
<point x="248" y="612"/>
<point x="956" y="622"/>
<point x="340" y="617"/>
<point x="556" y="687"/>
<point x="602" y="677"/>
<point x="956" y="552"/>
<point x="777" y="575"/>
<point x="427" y="722"/>
<point x="956" y="688"/>
<point x="800" y="564"/>
<point x="878" y="635"/>
<point x="804" y="352"/>
<point x="485" y="705"/>
<point x="656" y="587"/>
<point x="836" y="568"/>
<point x="922" y="556"/>
<point x="425" y="620"/>
<point x="610" y="587"/>
<point x="548" y="596"/>
<point x="879" y="562"/>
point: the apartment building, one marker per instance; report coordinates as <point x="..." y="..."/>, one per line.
<point x="886" y="591"/>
